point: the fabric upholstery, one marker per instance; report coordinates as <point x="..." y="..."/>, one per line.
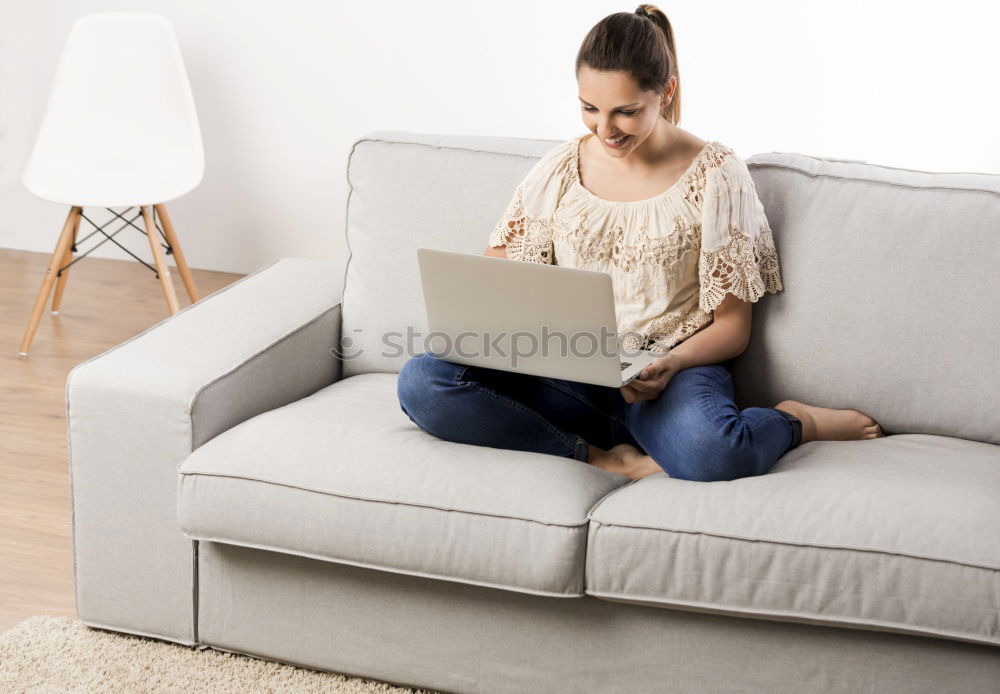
<point x="891" y="303"/>
<point x="407" y="191"/>
<point x="457" y="637"/>
<point x="897" y="533"/>
<point x="888" y="303"/>
<point x="372" y="548"/>
<point x="136" y="411"/>
<point x="344" y="475"/>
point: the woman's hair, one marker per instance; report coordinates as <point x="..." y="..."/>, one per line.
<point x="639" y="43"/>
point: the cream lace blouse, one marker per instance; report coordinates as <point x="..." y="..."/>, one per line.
<point x="672" y="258"/>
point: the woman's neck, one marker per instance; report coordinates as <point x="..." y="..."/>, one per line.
<point x="659" y="146"/>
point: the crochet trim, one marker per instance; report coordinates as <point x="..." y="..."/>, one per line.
<point x="667" y="331"/>
<point x="528" y="238"/>
<point x="745" y="267"/>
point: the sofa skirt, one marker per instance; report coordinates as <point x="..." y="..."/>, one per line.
<point x="456" y="637"/>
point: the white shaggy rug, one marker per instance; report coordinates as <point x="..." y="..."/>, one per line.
<point x="61" y="654"/>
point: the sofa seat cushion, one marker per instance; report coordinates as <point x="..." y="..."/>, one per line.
<point x="343" y="475"/>
<point x="900" y="534"/>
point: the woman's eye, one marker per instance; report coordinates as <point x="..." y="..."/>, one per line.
<point x="624" y="113"/>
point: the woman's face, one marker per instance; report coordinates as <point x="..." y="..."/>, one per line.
<point x="613" y="106"/>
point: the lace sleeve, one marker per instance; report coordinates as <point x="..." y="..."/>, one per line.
<point x="528" y="238"/>
<point x="737" y="253"/>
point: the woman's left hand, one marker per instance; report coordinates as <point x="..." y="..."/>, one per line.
<point x="657" y="376"/>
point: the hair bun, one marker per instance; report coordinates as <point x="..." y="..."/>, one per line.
<point x="642" y="12"/>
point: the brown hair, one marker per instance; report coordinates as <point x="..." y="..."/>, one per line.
<point x="639" y="43"/>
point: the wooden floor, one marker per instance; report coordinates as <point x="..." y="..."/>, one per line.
<point x="105" y="303"/>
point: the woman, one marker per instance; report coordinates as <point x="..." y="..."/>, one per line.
<point x="677" y="223"/>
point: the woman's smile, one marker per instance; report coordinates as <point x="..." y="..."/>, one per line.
<point x="617" y="144"/>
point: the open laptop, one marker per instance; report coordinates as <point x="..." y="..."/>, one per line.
<point x="544" y="320"/>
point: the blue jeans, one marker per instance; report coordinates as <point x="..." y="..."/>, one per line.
<point x="693" y="430"/>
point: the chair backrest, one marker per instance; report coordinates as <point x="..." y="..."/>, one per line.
<point x="120" y="128"/>
<point x="891" y="302"/>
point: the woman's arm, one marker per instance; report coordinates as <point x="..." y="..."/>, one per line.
<point x="496" y="251"/>
<point x="726" y="337"/>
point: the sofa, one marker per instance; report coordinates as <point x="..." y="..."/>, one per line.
<point x="244" y="479"/>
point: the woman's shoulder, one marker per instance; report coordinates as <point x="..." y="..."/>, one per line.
<point x="549" y="175"/>
<point x="722" y="167"/>
<point x="712" y="153"/>
<point x="543" y="185"/>
<point x="555" y="159"/>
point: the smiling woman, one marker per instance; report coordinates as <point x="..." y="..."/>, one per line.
<point x="641" y="45"/>
<point x="677" y="224"/>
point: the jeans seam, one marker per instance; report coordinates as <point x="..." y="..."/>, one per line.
<point x="576" y="396"/>
<point x="511" y="401"/>
<point x="617" y="424"/>
<point x="609" y="414"/>
<point x="753" y="424"/>
<point x="715" y="406"/>
<point x="753" y="430"/>
<point x="718" y="414"/>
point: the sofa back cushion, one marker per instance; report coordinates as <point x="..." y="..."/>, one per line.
<point x="409" y="190"/>
<point x="891" y="300"/>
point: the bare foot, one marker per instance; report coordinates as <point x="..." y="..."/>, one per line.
<point x="826" y="424"/>
<point x="625" y="459"/>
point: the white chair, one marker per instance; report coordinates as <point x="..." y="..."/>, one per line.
<point x="120" y="130"/>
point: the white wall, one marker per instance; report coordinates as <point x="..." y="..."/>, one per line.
<point x="284" y="88"/>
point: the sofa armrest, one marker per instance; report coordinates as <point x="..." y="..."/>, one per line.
<point x="135" y="412"/>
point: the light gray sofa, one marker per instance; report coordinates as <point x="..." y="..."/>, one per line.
<point x="238" y="486"/>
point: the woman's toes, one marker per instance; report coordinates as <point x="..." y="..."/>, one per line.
<point x="863" y="419"/>
<point x="635" y="463"/>
<point x="874" y="431"/>
<point x="623" y="450"/>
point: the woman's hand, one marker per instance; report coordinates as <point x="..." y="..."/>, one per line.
<point x="657" y="376"/>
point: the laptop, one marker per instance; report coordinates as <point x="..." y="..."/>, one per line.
<point x="532" y="318"/>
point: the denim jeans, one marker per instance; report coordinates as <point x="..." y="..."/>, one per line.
<point x="693" y="429"/>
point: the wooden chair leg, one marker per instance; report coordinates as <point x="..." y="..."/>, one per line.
<point x="64" y="275"/>
<point x="175" y="244"/>
<point x="65" y="238"/>
<point x="162" y="269"/>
